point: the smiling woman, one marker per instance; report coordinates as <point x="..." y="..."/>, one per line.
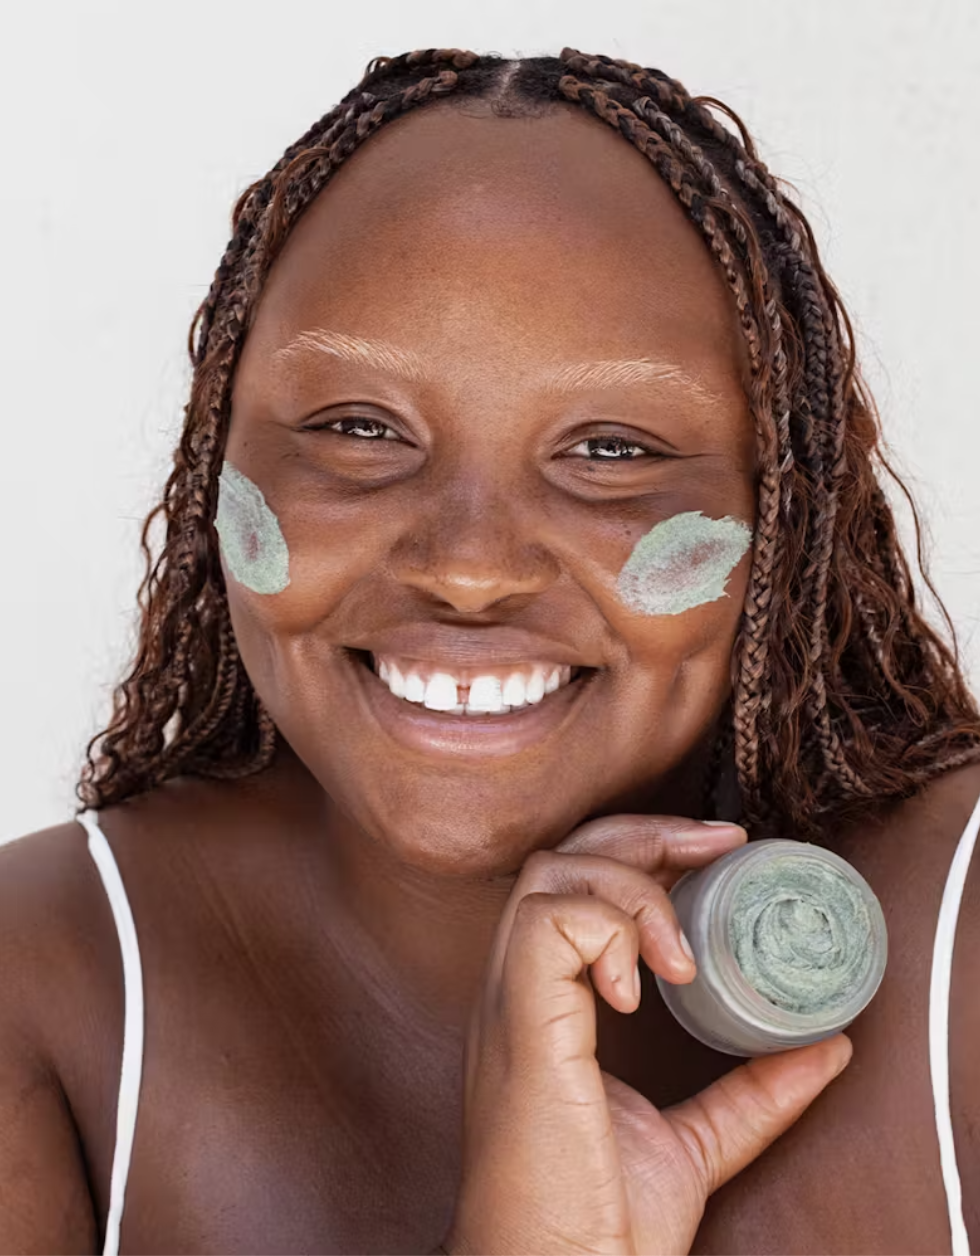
<point x="738" y="389"/>
<point x="524" y="547"/>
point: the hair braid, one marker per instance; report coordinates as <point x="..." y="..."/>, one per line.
<point x="707" y="209"/>
<point x="822" y="363"/>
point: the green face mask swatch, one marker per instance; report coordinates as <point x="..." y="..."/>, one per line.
<point x="251" y="540"/>
<point x="682" y="562"/>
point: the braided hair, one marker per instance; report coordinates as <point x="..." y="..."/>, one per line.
<point x="842" y="695"/>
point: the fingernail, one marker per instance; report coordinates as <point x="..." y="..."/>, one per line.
<point x="636" y="981"/>
<point x="721" y="824"/>
<point x="847" y="1050"/>
<point x="686" y="946"/>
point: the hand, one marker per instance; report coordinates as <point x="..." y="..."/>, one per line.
<point x="559" y="1156"/>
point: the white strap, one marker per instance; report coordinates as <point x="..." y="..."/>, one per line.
<point x="132" y="1053"/>
<point x="942" y="972"/>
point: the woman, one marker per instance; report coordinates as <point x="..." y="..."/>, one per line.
<point x="405" y="762"/>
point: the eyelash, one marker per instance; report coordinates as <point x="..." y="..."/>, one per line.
<point x="608" y="437"/>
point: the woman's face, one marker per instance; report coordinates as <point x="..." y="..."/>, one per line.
<point x="529" y="360"/>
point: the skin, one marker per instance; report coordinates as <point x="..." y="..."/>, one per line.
<point x="313" y="938"/>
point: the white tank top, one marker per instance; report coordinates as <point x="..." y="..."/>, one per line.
<point x="132" y="1055"/>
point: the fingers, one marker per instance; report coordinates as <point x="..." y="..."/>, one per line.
<point x="548" y="1009"/>
<point x="643" y="910"/>
<point x="734" y="1120"/>
<point x="576" y="914"/>
<point x="664" y="846"/>
<point x="631" y="861"/>
<point x="534" y="1032"/>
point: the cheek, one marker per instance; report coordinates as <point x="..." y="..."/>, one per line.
<point x="252" y="542"/>
<point x="683" y="562"/>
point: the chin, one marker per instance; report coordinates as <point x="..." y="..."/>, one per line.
<point x="464" y="838"/>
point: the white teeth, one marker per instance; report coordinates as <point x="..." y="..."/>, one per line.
<point x="535" y="686"/>
<point x="414" y="687"/>
<point x="396" y="681"/>
<point x="440" y="692"/>
<point x="486" y="695"/>
<point x="514" y="691"/>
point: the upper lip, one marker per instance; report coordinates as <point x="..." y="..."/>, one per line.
<point x="489" y="647"/>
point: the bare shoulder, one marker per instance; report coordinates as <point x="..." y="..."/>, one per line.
<point x="917" y="834"/>
<point x="57" y="933"/>
<point x="62" y="993"/>
<point x="945" y="815"/>
<point x="47" y="961"/>
<point x="868" y="1149"/>
<point x="907" y="857"/>
<point x="908" y="860"/>
<point x="47" y="901"/>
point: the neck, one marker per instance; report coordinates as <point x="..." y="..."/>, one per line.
<point x="418" y="939"/>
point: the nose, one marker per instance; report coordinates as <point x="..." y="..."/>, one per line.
<point x="473" y="553"/>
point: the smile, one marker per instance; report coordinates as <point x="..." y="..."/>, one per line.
<point x="478" y="723"/>
<point x="471" y="691"/>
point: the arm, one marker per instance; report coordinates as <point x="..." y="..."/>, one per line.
<point x="45" y="1204"/>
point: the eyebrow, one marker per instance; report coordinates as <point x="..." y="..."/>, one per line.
<point x="338" y="344"/>
<point x="571" y="377"/>
<point x="608" y="374"/>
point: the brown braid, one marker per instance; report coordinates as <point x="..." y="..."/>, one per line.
<point x="842" y="695"/>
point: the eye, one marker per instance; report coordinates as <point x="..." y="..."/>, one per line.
<point x="361" y="428"/>
<point x="612" y="448"/>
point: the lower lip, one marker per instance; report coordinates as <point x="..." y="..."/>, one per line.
<point x="468" y="736"/>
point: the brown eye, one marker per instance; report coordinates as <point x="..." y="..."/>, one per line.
<point x="612" y="449"/>
<point x="362" y="429"/>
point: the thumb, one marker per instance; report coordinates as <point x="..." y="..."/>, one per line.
<point x="733" y="1121"/>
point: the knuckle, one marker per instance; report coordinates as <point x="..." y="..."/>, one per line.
<point x="747" y="1108"/>
<point x="537" y="866"/>
<point x="534" y="905"/>
<point x="765" y="1103"/>
<point x="655" y="906"/>
<point x="702" y="1141"/>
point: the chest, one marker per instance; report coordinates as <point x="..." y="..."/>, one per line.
<point x="252" y="1137"/>
<point x="280" y="1114"/>
<point x="273" y="1116"/>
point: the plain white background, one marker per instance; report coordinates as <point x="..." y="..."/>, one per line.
<point x="129" y="130"/>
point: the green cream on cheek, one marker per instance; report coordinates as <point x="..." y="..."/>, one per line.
<point x="681" y="563"/>
<point x="252" y="542"/>
<point x="801" y="934"/>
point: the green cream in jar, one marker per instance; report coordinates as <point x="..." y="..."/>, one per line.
<point x="790" y="944"/>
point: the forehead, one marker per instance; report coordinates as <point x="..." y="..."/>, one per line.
<point x="539" y="238"/>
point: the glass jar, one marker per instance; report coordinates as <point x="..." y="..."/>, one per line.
<point x="790" y="944"/>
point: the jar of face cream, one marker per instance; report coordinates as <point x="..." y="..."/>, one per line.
<point x="790" y="945"/>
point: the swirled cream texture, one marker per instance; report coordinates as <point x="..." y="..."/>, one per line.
<point x="682" y="562"/>
<point x="251" y="539"/>
<point x="801" y="934"/>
